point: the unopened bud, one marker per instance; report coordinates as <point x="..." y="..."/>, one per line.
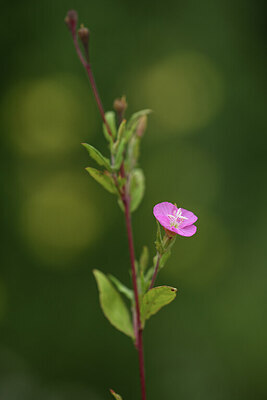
<point x="120" y="105"/>
<point x="141" y="126"/>
<point x="71" y="20"/>
<point x="83" y="34"/>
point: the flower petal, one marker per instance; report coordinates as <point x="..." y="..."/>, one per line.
<point x="161" y="212"/>
<point x="164" y="221"/>
<point x="187" y="230"/>
<point x="164" y="208"/>
<point x="191" y="218"/>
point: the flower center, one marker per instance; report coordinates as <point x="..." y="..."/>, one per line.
<point x="176" y="218"/>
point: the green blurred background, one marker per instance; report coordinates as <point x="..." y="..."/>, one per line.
<point x="200" y="65"/>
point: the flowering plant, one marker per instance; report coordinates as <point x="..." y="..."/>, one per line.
<point x="121" y="175"/>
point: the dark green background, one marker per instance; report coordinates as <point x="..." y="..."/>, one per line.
<point x="200" y="65"/>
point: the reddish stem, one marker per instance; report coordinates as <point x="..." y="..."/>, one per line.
<point x="139" y="338"/>
<point x="89" y="71"/>
<point x="126" y="200"/>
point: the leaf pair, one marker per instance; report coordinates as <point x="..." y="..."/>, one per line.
<point x="119" y="140"/>
<point x="104" y="178"/>
<point x="115" y="309"/>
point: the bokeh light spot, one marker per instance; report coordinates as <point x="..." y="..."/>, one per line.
<point x="184" y="90"/>
<point x="47" y="116"/>
<point x="59" y="219"/>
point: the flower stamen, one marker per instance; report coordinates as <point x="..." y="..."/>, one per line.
<point x="176" y="218"/>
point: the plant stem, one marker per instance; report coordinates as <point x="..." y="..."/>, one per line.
<point x="155" y="273"/>
<point x="139" y="338"/>
<point x="126" y="201"/>
<point x="90" y="74"/>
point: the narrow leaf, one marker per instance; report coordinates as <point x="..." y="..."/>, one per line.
<point x="136" y="148"/>
<point x="107" y="136"/>
<point x="158" y="241"/>
<point x="119" y="154"/>
<point x="121" y="287"/>
<point x="133" y="151"/>
<point x="137" y="115"/>
<point x="97" y="156"/>
<point x="112" y="305"/>
<point x="133" y="123"/>
<point x="104" y="179"/>
<point x="121" y="129"/>
<point x="137" y="188"/>
<point x="155" y="299"/>
<point x="111" y="120"/>
<point x="116" y="395"/>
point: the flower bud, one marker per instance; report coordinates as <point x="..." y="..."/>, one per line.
<point x="120" y="105"/>
<point x="141" y="126"/>
<point x="71" y="20"/>
<point x="83" y="34"/>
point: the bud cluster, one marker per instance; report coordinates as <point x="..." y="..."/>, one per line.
<point x="71" y="21"/>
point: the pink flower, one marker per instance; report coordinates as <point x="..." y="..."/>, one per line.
<point x="173" y="219"/>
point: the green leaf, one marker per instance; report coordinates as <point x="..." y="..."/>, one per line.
<point x="155" y="299"/>
<point x="121" y="287"/>
<point x="143" y="262"/>
<point x="136" y="148"/>
<point x="116" y="395"/>
<point x="111" y="120"/>
<point x="112" y="305"/>
<point x="104" y="179"/>
<point x="133" y="152"/>
<point x="137" y="115"/>
<point x="158" y="241"/>
<point x="119" y="154"/>
<point x="132" y="125"/>
<point x="97" y="156"/>
<point x="121" y="129"/>
<point x="137" y="188"/>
